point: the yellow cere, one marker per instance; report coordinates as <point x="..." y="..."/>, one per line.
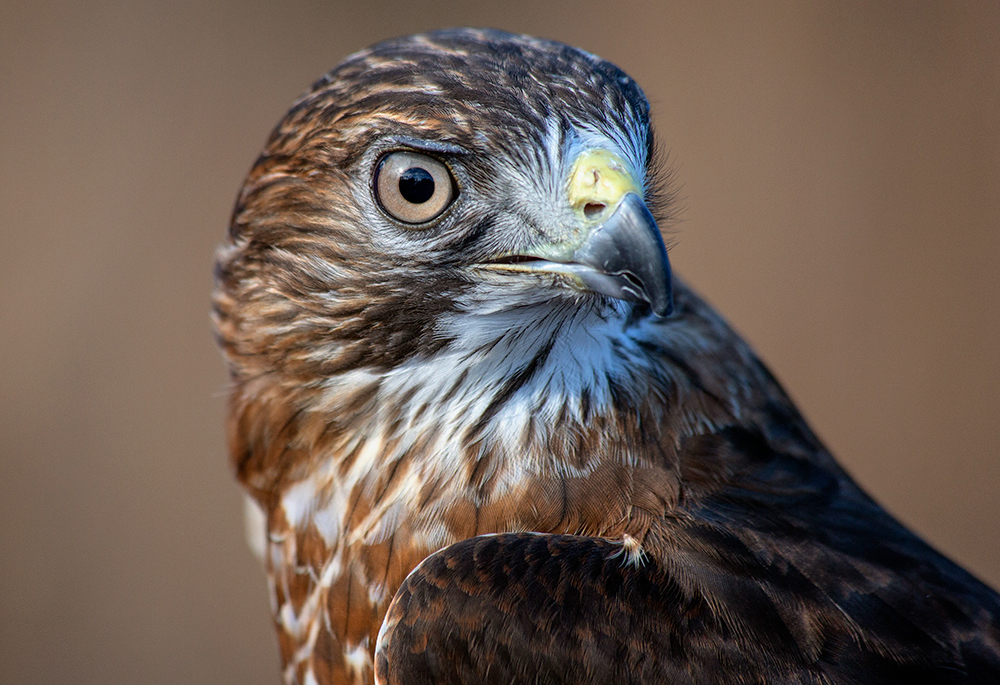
<point x="598" y="181"/>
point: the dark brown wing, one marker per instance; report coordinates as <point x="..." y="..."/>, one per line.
<point x="793" y="577"/>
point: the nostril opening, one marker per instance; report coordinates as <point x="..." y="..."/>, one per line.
<point x="593" y="209"/>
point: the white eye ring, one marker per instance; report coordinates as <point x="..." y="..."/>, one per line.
<point x="413" y="188"/>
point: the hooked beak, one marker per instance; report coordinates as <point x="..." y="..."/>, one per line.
<point x="622" y="257"/>
<point x="625" y="258"/>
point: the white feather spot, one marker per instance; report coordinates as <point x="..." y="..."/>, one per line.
<point x="299" y="501"/>
<point x="632" y="552"/>
<point x="358" y="659"/>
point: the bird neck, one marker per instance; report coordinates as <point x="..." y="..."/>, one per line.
<point x="512" y="395"/>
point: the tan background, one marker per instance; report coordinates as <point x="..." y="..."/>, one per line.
<point x="840" y="165"/>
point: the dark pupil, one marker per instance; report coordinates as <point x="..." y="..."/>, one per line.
<point x="416" y="185"/>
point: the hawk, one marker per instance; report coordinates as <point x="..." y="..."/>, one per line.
<point x="491" y="439"/>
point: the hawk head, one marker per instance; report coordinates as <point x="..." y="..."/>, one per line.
<point x="433" y="184"/>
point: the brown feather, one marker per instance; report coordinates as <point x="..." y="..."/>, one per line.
<point x="665" y="513"/>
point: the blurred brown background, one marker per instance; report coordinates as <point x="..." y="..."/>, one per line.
<point x="840" y="165"/>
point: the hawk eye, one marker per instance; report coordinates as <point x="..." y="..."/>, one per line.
<point x="413" y="188"/>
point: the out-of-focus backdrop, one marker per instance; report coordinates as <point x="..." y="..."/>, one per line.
<point x="839" y="166"/>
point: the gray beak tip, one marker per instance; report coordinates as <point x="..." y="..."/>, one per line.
<point x="629" y="257"/>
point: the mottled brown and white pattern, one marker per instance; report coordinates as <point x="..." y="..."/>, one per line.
<point x="594" y="482"/>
